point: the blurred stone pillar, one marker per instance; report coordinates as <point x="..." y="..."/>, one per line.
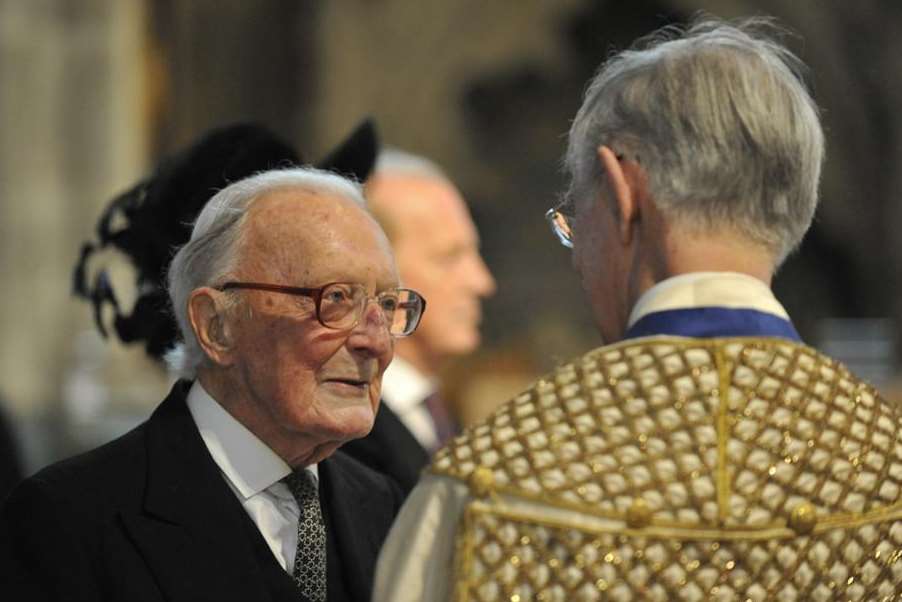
<point x="232" y="60"/>
<point x="71" y="117"/>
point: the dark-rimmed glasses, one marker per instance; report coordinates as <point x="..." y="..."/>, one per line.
<point x="339" y="305"/>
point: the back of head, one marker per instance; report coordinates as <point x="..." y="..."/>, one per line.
<point x="719" y="119"/>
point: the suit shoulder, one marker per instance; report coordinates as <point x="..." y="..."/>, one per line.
<point x="390" y="448"/>
<point x="357" y="470"/>
<point x="116" y="462"/>
<point x="364" y="477"/>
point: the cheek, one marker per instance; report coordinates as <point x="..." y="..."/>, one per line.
<point x="423" y="268"/>
<point x="288" y="379"/>
<point x="446" y="315"/>
<point x="585" y="261"/>
<point x="294" y="374"/>
<point x="292" y="360"/>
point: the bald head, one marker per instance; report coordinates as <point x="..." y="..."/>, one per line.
<point x="323" y="229"/>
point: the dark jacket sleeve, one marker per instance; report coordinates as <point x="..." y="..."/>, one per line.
<point x="40" y="556"/>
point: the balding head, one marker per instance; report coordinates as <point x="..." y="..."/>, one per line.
<point x="437" y="248"/>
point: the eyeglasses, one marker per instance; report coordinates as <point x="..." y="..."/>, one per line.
<point x="339" y="305"/>
<point x="561" y="224"/>
<point x="561" y="216"/>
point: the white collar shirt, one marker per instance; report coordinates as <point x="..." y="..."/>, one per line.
<point x="253" y="472"/>
<point x="708" y="289"/>
<point x="404" y="390"/>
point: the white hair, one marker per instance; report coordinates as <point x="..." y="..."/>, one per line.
<point x="721" y="122"/>
<point x="210" y="255"/>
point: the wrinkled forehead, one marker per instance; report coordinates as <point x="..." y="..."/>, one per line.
<point x="308" y="237"/>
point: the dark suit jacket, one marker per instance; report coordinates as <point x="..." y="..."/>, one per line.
<point x="150" y="517"/>
<point x="390" y="448"/>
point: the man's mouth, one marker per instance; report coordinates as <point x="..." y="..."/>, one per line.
<point x="350" y="382"/>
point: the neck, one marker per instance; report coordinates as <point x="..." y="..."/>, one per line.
<point x="692" y="252"/>
<point x="663" y="248"/>
<point x="724" y="252"/>
<point x="296" y="449"/>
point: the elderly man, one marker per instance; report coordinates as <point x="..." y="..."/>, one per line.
<point x="288" y="302"/>
<point x="708" y="455"/>
<point x="437" y="248"/>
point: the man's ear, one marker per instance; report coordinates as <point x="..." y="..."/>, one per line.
<point x="625" y="182"/>
<point x="209" y="320"/>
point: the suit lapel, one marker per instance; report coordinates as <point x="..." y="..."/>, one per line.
<point x="406" y="450"/>
<point x="193" y="532"/>
<point x="354" y="515"/>
<point x="390" y="448"/>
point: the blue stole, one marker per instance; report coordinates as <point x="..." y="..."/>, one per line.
<point x="711" y="322"/>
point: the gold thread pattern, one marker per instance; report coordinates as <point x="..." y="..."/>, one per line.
<point x="723" y="469"/>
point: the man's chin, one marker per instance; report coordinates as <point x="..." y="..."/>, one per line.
<point x="464" y="342"/>
<point x="353" y="423"/>
<point x="323" y="451"/>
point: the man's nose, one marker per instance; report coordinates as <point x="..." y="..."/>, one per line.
<point x="481" y="279"/>
<point x="371" y="334"/>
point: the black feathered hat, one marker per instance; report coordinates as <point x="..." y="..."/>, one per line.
<point x="159" y="211"/>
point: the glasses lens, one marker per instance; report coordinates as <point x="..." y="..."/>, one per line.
<point x="407" y="312"/>
<point x="340" y="305"/>
<point x="560" y="226"/>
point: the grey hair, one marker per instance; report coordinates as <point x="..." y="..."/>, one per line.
<point x="720" y="119"/>
<point x="210" y="255"/>
<point x="396" y="161"/>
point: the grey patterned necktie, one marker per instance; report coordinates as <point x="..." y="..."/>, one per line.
<point x="310" y="557"/>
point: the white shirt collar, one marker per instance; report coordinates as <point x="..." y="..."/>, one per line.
<point x="708" y="289"/>
<point x="249" y="464"/>
<point x="404" y="387"/>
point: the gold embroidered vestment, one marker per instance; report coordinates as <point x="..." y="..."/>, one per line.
<point x="684" y="469"/>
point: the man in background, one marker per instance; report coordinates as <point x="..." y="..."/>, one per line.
<point x="705" y="453"/>
<point x="436" y="246"/>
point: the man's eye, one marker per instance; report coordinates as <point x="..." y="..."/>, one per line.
<point x="336" y="296"/>
<point x="452" y="256"/>
<point x="389" y="303"/>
